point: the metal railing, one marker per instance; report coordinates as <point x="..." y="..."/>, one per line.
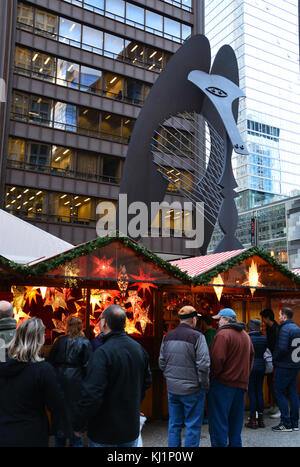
<point x="144" y="27"/>
<point x="62" y="172"/>
<point x="100" y="51"/>
<point x="50" y="123"/>
<point x="31" y="73"/>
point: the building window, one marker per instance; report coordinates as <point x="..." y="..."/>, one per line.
<point x="171" y="28"/>
<point x="40" y="110"/>
<point x="87" y="164"/>
<point x="65" y="116"/>
<point x="39" y="156"/>
<point x="20" y="106"/>
<point x="133" y="91"/>
<point x="115" y="9"/>
<point x="92" y="39"/>
<point x="26" y="201"/>
<point x="62" y="160"/>
<point x="88" y="121"/>
<point x="46" y="23"/>
<point x="90" y="80"/>
<point x="113" y="46"/>
<point x="43" y="66"/>
<point x="82" y="210"/>
<point x="113" y="86"/>
<point x="111" y="169"/>
<point x="67" y="74"/>
<point x="72" y="208"/>
<point x="25" y="16"/>
<point x="16" y="151"/>
<point x="69" y="32"/>
<point x="23" y="61"/>
<point x="111" y="126"/>
<point x="135" y="15"/>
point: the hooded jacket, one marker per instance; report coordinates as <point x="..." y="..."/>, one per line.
<point x="7" y="329"/>
<point x="25" y="390"/>
<point x="232" y="355"/>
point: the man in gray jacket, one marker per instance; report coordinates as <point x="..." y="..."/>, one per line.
<point x="184" y="360"/>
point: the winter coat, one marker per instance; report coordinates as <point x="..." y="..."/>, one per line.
<point x="25" y="390"/>
<point x="259" y="342"/>
<point x="285" y="352"/>
<point x="272" y="333"/>
<point x="184" y="360"/>
<point x="69" y="356"/>
<point x="231" y="355"/>
<point x="117" y="379"/>
<point x="7" y="329"/>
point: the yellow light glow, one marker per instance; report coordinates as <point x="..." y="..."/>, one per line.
<point x="253" y="278"/>
<point x="218" y="290"/>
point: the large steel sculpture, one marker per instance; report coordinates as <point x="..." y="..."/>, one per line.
<point x="188" y="124"/>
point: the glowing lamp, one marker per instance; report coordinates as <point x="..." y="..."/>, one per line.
<point x="218" y="290"/>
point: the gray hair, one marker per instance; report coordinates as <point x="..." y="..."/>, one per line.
<point x="6" y="309"/>
<point x="27" y="342"/>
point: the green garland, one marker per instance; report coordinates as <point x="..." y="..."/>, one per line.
<point x="201" y="279"/>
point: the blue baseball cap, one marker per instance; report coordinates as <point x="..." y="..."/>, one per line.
<point x="226" y="313"/>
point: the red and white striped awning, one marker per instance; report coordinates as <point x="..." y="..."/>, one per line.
<point x="200" y="264"/>
<point x="296" y="271"/>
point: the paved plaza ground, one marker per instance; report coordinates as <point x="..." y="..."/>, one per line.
<point x="155" y="434"/>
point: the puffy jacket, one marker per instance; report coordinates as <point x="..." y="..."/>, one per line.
<point x="184" y="360"/>
<point x="7" y="329"/>
<point x="69" y="356"/>
<point x="285" y="352"/>
<point x="259" y="342"/>
<point x="116" y="382"/>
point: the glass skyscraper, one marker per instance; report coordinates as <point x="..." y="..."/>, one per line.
<point x="264" y="36"/>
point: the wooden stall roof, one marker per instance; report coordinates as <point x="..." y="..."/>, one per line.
<point x="202" y="269"/>
<point x="101" y="259"/>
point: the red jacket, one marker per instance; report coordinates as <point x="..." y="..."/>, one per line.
<point x="231" y="354"/>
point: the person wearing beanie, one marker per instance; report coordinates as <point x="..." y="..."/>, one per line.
<point x="184" y="361"/>
<point x="256" y="380"/>
<point x="231" y="355"/>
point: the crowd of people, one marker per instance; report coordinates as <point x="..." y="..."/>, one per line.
<point x="93" y="390"/>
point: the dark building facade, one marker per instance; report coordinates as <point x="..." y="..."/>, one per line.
<point x="77" y="74"/>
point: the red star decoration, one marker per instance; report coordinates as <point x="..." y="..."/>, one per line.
<point x="103" y="266"/>
<point x="147" y="281"/>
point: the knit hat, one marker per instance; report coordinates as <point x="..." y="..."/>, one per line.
<point x="254" y="324"/>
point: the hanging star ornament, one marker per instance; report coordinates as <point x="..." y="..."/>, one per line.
<point x="253" y="278"/>
<point x="145" y="282"/>
<point x="102" y="266"/>
<point x="143" y="317"/>
<point x="31" y="294"/>
<point x="71" y="272"/>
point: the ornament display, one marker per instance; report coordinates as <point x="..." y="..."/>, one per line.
<point x="123" y="280"/>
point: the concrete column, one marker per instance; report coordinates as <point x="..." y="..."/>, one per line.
<point x="8" y="19"/>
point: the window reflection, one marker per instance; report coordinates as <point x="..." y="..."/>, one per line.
<point x="135" y="15"/>
<point x="154" y="22"/>
<point x="20" y="105"/>
<point x="46" y="23"/>
<point x="25" y="15"/>
<point x="128" y="125"/>
<point x="67" y="74"/>
<point x="116" y="7"/>
<point x="92" y="39"/>
<point x="134" y="89"/>
<point x="171" y="27"/>
<point x="90" y="79"/>
<point x="95" y="5"/>
<point x="69" y="32"/>
<point x="65" y="116"/>
<point x="87" y="164"/>
<point x="113" y="46"/>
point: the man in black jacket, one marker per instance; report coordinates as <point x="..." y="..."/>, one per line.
<point x="118" y="376"/>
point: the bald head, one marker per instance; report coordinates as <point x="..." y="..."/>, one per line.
<point x="115" y="317"/>
<point x="6" y="309"/>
